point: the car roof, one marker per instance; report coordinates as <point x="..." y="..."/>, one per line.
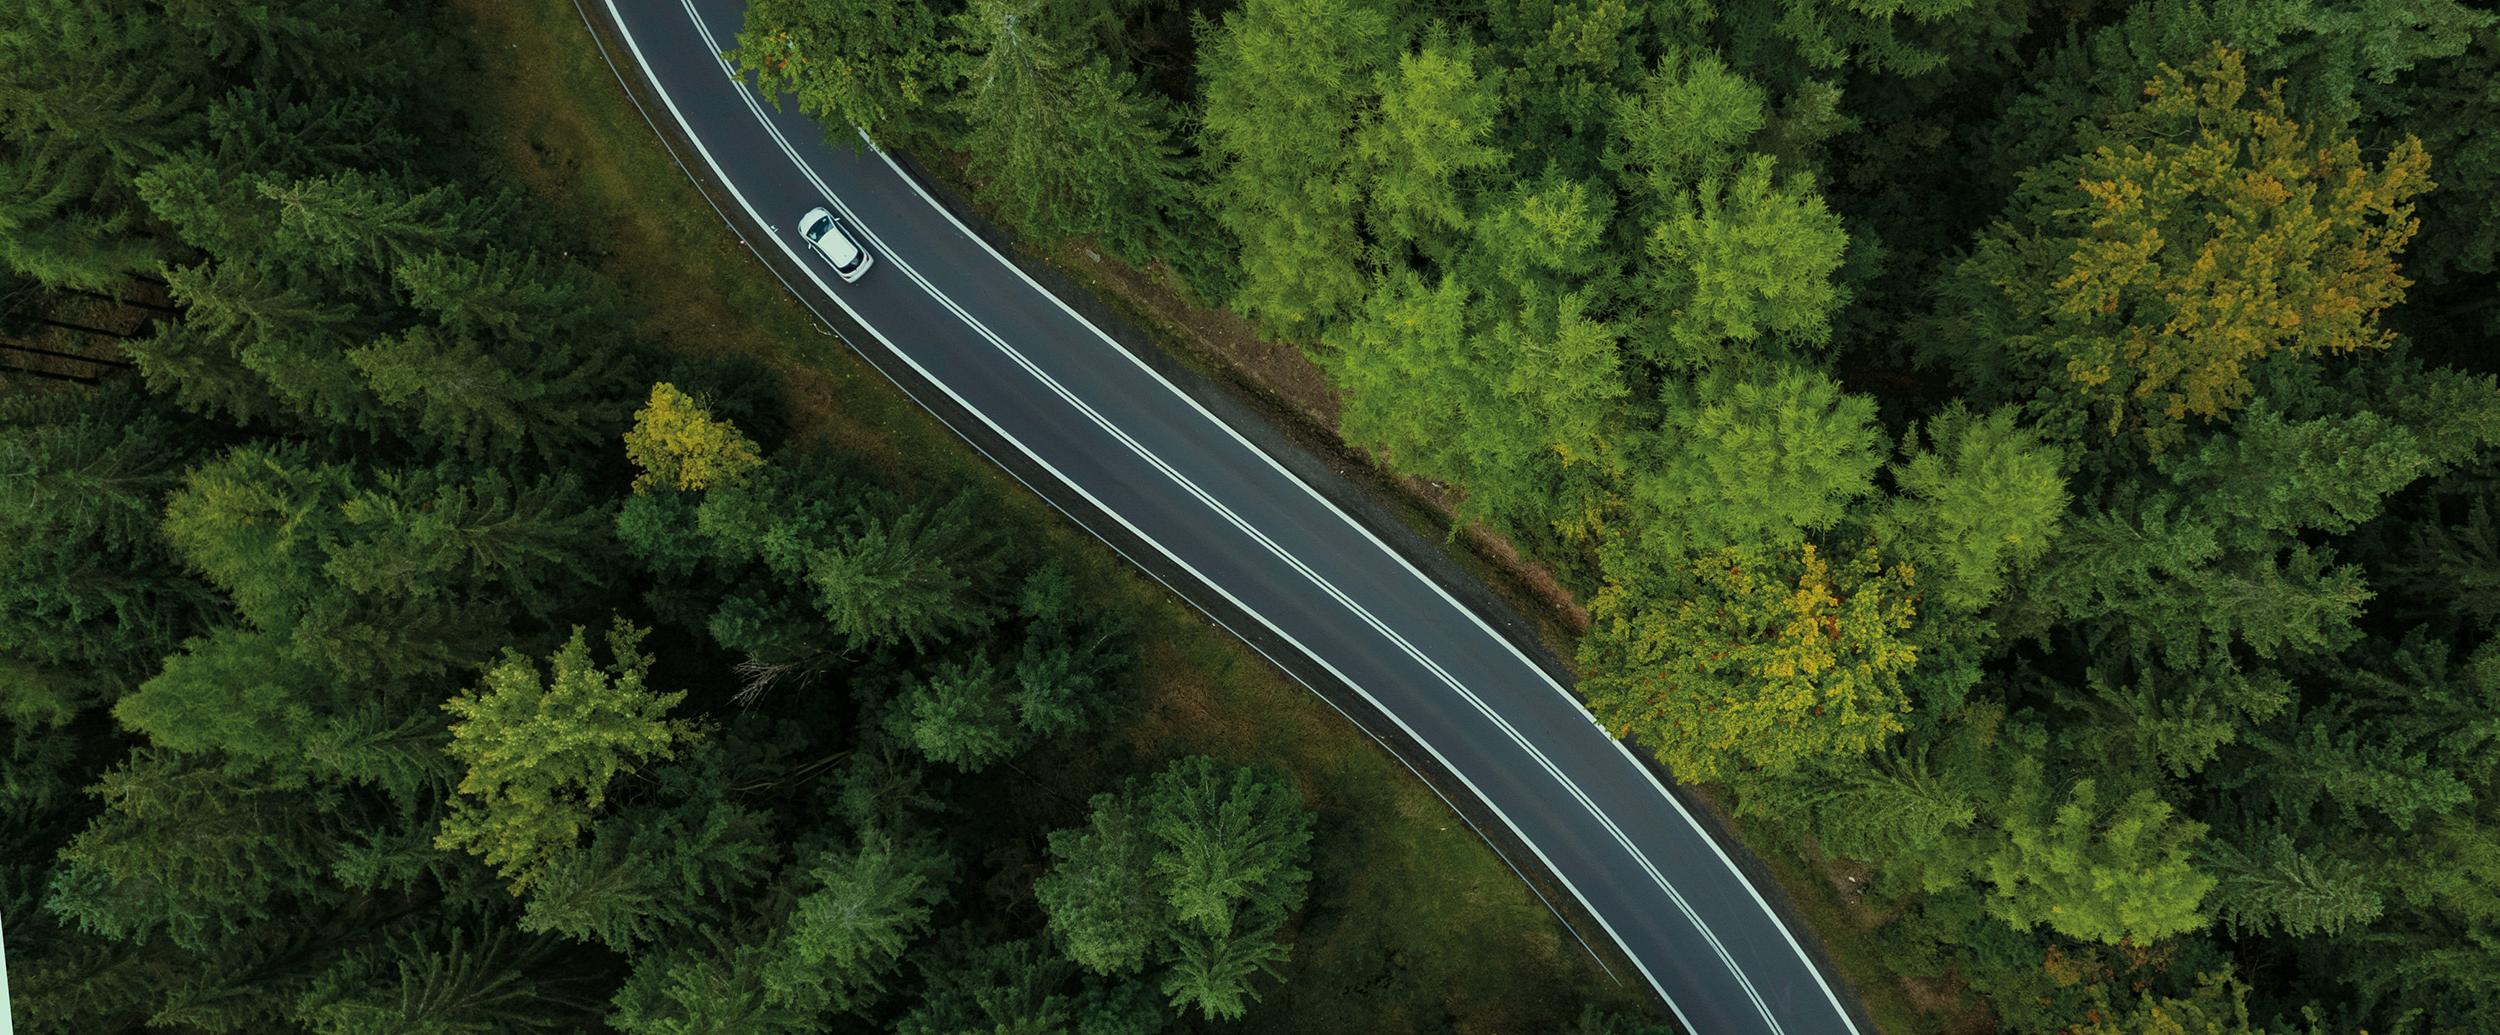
<point x="836" y="244"/>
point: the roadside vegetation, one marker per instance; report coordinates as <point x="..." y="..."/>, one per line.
<point x="445" y="587"/>
<point x="2032" y="461"/>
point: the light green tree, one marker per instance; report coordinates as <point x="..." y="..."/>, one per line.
<point x="1285" y="85"/>
<point x="1743" y="257"/>
<point x="1755" y="461"/>
<point x="541" y="748"/>
<point x="1981" y="501"/>
<point x="1689" y="121"/>
<point x="1427" y="138"/>
<point x="2096" y="871"/>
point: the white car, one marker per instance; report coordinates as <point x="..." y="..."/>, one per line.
<point x="822" y="230"/>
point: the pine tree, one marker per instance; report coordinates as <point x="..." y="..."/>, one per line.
<point x="1101" y="897"/>
<point x="89" y="95"/>
<point x="526" y="545"/>
<point x="369" y="225"/>
<point x="1741" y="258"/>
<point x="1981" y="501"/>
<point x="540" y="750"/>
<point x="959" y="714"/>
<point x="1009" y="987"/>
<point x="194" y="852"/>
<point x="459" y="981"/>
<point x="1231" y="842"/>
<point x="85" y="578"/>
<point x="871" y="64"/>
<point x="1756" y="461"/>
<point x="1427" y="141"/>
<point x="660" y="868"/>
<point x="1213" y="972"/>
<point x="1285" y="83"/>
<point x="1898" y="811"/>
<point x="2114" y="873"/>
<point x="1688" y="122"/>
<point x="847" y="937"/>
<point x="2269" y="476"/>
<point x="1066" y="142"/>
<point x="1891" y="37"/>
<point x="1565" y="62"/>
<point x="907" y="575"/>
<point x="2267" y="885"/>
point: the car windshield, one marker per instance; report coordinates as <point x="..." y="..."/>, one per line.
<point x="816" y="230"/>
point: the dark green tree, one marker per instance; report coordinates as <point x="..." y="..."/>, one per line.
<point x="1065" y="142"/>
<point x="864" y="63"/>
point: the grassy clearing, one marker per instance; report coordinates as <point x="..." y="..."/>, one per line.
<point x="1414" y="925"/>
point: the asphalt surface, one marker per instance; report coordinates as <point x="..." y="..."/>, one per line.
<point x="1144" y="457"/>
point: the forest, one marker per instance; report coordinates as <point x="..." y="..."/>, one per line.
<point x="2039" y="454"/>
<point x="2036" y="455"/>
<point x="392" y="640"/>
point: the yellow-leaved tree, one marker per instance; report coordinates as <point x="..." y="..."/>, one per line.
<point x="2206" y="232"/>
<point x="678" y="444"/>
<point x="1771" y="660"/>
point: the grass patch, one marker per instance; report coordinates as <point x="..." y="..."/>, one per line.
<point x="1413" y="924"/>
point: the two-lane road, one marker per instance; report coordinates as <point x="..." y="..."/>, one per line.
<point x="1153" y="466"/>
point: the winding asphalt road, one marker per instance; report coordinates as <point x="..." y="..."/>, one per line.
<point x="1153" y="467"/>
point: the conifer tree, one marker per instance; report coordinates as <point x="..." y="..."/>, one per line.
<point x="870" y="64"/>
<point x="541" y="749"/>
<point x="1285" y="85"/>
<point x="2096" y="871"/>
<point x="1067" y="141"/>
<point x="1981" y="501"/>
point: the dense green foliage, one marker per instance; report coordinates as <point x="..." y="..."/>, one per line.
<point x="2041" y="451"/>
<point x="388" y="652"/>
